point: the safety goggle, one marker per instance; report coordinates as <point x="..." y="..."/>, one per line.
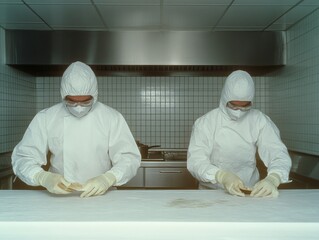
<point x="236" y="107"/>
<point x="70" y="103"/>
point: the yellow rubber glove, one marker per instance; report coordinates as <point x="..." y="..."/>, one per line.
<point x="98" y="185"/>
<point x="267" y="187"/>
<point x="232" y="183"/>
<point x="53" y="182"/>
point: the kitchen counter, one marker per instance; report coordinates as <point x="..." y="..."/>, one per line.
<point x="158" y="214"/>
<point x="163" y="164"/>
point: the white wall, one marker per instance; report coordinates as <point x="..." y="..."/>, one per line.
<point x="161" y="110"/>
<point x="294" y="91"/>
<point x="17" y="101"/>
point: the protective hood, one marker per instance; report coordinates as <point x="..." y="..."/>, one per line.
<point x="239" y="86"/>
<point x="79" y="79"/>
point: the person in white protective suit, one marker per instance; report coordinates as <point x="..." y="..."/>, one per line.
<point x="223" y="144"/>
<point x="91" y="145"/>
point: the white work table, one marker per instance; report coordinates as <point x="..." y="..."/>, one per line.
<point x="158" y="214"/>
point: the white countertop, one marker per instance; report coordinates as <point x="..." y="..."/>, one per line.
<point x="159" y="214"/>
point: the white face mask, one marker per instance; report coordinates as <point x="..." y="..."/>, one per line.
<point x="79" y="111"/>
<point x="235" y="114"/>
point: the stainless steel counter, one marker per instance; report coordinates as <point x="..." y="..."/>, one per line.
<point x="164" y="169"/>
<point x="159" y="214"/>
<point x="6" y="172"/>
<point x="162" y="174"/>
<point x="305" y="165"/>
<point x="163" y="164"/>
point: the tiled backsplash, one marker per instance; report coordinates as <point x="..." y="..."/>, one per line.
<point x="159" y="110"/>
<point x="17" y="106"/>
<point x="17" y="102"/>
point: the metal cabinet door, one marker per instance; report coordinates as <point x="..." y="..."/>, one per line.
<point x="169" y="178"/>
<point x="137" y="181"/>
<point x="6" y="178"/>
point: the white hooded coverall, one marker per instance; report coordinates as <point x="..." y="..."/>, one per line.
<point x="225" y="139"/>
<point x="81" y="148"/>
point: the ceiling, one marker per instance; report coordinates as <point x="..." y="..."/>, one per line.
<point x="148" y="15"/>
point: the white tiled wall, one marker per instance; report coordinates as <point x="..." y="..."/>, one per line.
<point x="294" y="90"/>
<point x="17" y="103"/>
<point x="17" y="106"/>
<point x="159" y="110"/>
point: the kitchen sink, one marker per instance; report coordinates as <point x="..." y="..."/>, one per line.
<point x="166" y="155"/>
<point x="154" y="156"/>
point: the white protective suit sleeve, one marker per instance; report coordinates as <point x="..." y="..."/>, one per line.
<point x="124" y="153"/>
<point x="273" y="152"/>
<point x="199" y="151"/>
<point x="30" y="154"/>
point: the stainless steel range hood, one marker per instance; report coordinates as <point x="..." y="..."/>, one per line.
<point x="140" y="51"/>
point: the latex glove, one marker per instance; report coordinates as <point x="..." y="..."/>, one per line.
<point x="232" y="183"/>
<point x="53" y="182"/>
<point x="267" y="187"/>
<point x="98" y="185"/>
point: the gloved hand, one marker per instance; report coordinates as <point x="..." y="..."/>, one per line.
<point x="232" y="183"/>
<point x="98" y="185"/>
<point x="267" y="187"/>
<point x="53" y="182"/>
